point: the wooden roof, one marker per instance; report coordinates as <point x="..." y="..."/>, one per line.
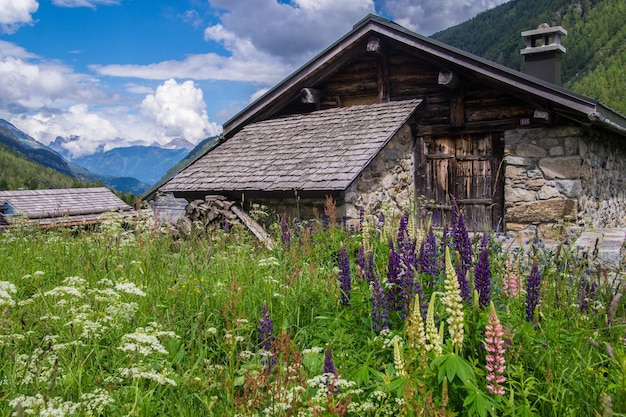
<point x="319" y="151"/>
<point x="75" y="205"/>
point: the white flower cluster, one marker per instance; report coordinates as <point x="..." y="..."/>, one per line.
<point x="6" y="289"/>
<point x="145" y="341"/>
<point x="129" y="288"/>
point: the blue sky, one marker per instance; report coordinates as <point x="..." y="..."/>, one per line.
<point x="122" y="72"/>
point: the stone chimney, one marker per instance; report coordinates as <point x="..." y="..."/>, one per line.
<point x="542" y="55"/>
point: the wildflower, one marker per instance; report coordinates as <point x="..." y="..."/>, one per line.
<point x="266" y="338"/>
<point x="129" y="288"/>
<point x="494" y="345"/>
<point x="434" y="339"/>
<point x="533" y="285"/>
<point x="6" y="289"/>
<point x="360" y="261"/>
<point x="511" y="280"/>
<point x="463" y="246"/>
<point x="329" y="363"/>
<point x="398" y="359"/>
<point x="415" y="327"/>
<point x="345" y="282"/>
<point x="482" y="278"/>
<point x="380" y="314"/>
<point x="453" y="303"/>
<point x="285" y="233"/>
<point x="361" y="218"/>
<point x="380" y="223"/>
<point x="428" y="256"/>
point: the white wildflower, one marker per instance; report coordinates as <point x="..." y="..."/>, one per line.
<point x="6" y="289"/>
<point x="38" y="273"/>
<point x="95" y="402"/>
<point x="129" y="288"/>
<point x="63" y="291"/>
<point x="150" y="374"/>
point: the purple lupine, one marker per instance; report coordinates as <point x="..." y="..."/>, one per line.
<point x="360" y="262"/>
<point x="380" y="314"/>
<point x="482" y="278"/>
<point x="403" y="231"/>
<point x="361" y="219"/>
<point x="266" y="337"/>
<point x="370" y="269"/>
<point x="345" y="281"/>
<point x="428" y="256"/>
<point x="533" y="286"/>
<point x="587" y="291"/>
<point x="285" y="233"/>
<point x="380" y="223"/>
<point x="394" y="279"/>
<point x="463" y="246"/>
<point x="436" y="218"/>
<point x="329" y="364"/>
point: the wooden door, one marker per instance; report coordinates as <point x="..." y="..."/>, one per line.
<point x="468" y="168"/>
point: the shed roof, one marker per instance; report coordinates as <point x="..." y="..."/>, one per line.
<point x="319" y="151"/>
<point x="61" y="205"/>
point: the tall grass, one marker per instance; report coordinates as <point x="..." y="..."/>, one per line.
<point x="126" y="320"/>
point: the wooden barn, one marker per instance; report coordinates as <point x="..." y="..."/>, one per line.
<point x="387" y="119"/>
<point x="60" y="207"/>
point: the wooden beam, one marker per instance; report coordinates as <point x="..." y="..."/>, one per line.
<point x="254" y="227"/>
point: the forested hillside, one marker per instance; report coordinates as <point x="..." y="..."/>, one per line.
<point x="20" y="172"/>
<point x="595" y="62"/>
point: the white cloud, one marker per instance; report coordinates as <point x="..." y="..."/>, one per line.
<point x="95" y="131"/>
<point x="427" y="17"/>
<point x="84" y="3"/>
<point x="180" y="110"/>
<point x="265" y="41"/>
<point x="15" y="13"/>
<point x="32" y="82"/>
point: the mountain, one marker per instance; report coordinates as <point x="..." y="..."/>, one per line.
<point x="146" y="163"/>
<point x="177" y="143"/>
<point x="200" y="149"/>
<point x="595" y="62"/>
<point x="14" y="138"/>
<point x="27" y="163"/>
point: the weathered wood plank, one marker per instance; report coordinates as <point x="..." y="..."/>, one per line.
<point x="254" y="227"/>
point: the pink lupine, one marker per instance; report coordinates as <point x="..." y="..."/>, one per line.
<point x="494" y="344"/>
<point x="511" y="280"/>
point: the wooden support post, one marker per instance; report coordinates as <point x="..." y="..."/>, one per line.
<point x="457" y="108"/>
<point x="376" y="46"/>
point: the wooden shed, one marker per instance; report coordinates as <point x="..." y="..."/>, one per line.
<point x="385" y="118"/>
<point x="61" y="207"/>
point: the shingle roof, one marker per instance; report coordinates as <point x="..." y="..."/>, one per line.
<point x="319" y="151"/>
<point x="62" y="205"/>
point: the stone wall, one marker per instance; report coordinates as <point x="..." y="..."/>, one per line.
<point x="387" y="184"/>
<point x="563" y="176"/>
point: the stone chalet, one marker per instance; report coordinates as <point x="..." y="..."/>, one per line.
<point x="385" y="117"/>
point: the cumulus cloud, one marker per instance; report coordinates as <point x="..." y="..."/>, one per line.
<point x="14" y="14"/>
<point x="180" y="110"/>
<point x="265" y="40"/>
<point x="29" y="81"/>
<point x="95" y="131"/>
<point x="427" y="17"/>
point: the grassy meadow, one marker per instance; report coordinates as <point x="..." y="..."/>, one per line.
<point x="385" y="318"/>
